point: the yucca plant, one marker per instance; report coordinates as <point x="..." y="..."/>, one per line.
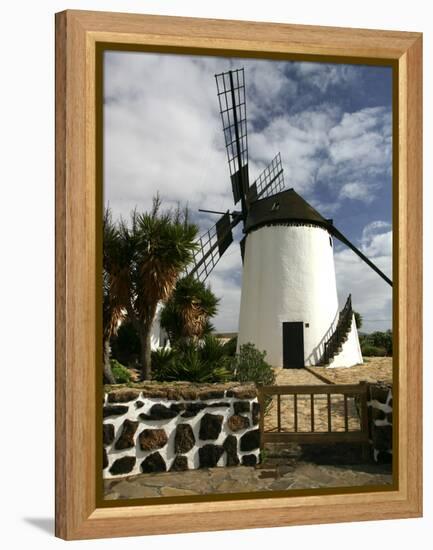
<point x="161" y="245"/>
<point x="186" y="363"/>
<point x="162" y="359"/>
<point x="115" y="263"/>
<point x="187" y="314"/>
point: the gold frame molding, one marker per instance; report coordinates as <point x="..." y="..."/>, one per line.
<point x="79" y="34"/>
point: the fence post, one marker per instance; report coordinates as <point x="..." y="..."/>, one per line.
<point x="261" y="400"/>
<point x="364" y="419"/>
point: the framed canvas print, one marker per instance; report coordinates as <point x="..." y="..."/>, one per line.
<point x="238" y="326"/>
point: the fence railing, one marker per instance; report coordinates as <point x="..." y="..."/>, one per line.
<point x="341" y="331"/>
<point x="279" y="433"/>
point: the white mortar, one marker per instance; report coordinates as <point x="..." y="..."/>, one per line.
<point x="169" y="425"/>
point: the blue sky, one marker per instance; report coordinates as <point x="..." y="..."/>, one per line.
<point x="332" y="124"/>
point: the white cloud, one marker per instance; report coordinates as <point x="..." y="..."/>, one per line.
<point x="371" y="295"/>
<point x="357" y="191"/>
<point x="162" y="132"/>
<point x="323" y="75"/>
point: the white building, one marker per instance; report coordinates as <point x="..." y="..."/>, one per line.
<point x="159" y="337"/>
<point x="289" y="304"/>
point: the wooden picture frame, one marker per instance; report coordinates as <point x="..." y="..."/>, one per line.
<point x="79" y="34"/>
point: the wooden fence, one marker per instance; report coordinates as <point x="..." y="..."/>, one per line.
<point x="280" y="434"/>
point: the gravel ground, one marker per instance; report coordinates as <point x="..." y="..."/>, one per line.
<point x="374" y="369"/>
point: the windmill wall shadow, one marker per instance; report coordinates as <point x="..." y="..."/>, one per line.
<point x="289" y="293"/>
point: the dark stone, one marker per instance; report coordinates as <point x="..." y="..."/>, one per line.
<point x="238" y="422"/>
<point x="230" y="446"/>
<point x="211" y="394"/>
<point x="382" y="438"/>
<point x="384" y="457"/>
<point x="114" y="410"/>
<point x="379" y="393"/>
<point x="249" y="460"/>
<point x="255" y="413"/>
<point x="219" y="404"/>
<point x="210" y="426"/>
<point x="158" y="412"/>
<point x="245" y="392"/>
<point x="152" y="439"/>
<point x="241" y="407"/>
<point x="184" y="439"/>
<point x="126" y="437"/>
<point x="377" y="414"/>
<point x="107" y="434"/>
<point x="178" y="407"/>
<point x="389" y="417"/>
<point x="192" y="409"/>
<point x="139" y="404"/>
<point x="390" y="402"/>
<point x="209" y="455"/>
<point x="104" y="459"/>
<point x="250" y="440"/>
<point x="153" y="463"/>
<point x="186" y="393"/>
<point x="180" y="464"/>
<point x="155" y="393"/>
<point x="123" y="465"/>
<point x="123" y="395"/>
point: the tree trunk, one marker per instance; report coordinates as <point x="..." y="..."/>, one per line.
<point x="146" y="350"/>
<point x="108" y="373"/>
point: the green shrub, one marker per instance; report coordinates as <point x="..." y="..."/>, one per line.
<point x="191" y="362"/>
<point x="120" y="373"/>
<point x="230" y="346"/>
<point x="161" y="359"/>
<point x="377" y="343"/>
<point x="250" y="366"/>
<point x="125" y="347"/>
<point x="212" y="350"/>
<point x="368" y="350"/>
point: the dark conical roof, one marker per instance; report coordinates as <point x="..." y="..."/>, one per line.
<point x="282" y="208"/>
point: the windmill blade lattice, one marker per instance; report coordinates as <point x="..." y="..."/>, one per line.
<point x="211" y="246"/>
<point x="232" y="104"/>
<point x="270" y="181"/>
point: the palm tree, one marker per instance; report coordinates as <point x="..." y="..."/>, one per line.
<point x="160" y="245"/>
<point x="115" y="262"/>
<point x="188" y="312"/>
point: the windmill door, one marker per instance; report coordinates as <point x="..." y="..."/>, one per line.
<point x="293" y="345"/>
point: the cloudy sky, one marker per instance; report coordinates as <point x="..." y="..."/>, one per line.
<point x="331" y="123"/>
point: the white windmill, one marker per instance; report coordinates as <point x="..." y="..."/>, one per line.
<point x="289" y="305"/>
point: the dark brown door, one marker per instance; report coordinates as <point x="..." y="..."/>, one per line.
<point x="293" y="345"/>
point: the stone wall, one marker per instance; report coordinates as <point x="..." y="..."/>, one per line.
<point x="160" y="427"/>
<point x="380" y="421"/>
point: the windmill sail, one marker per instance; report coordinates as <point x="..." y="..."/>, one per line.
<point x="232" y="105"/>
<point x="211" y="246"/>
<point x="270" y="181"/>
<point x="337" y="234"/>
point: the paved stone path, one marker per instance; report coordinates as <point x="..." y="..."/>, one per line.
<point x="278" y="473"/>
<point x="298" y="377"/>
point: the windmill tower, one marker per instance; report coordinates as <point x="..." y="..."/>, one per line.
<point x="289" y="305"/>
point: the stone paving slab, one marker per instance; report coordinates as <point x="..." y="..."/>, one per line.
<point x="243" y="479"/>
